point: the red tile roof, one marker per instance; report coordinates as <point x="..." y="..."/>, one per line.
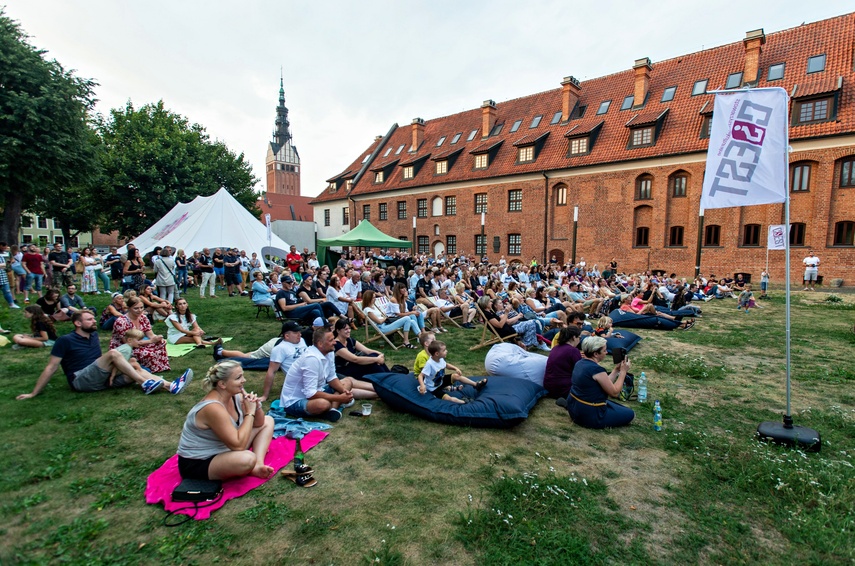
<point x="531" y="139"/>
<point x="680" y="133"/>
<point x="446" y="154"/>
<point x="646" y="118"/>
<point x="583" y="128"/>
<point x="820" y="85"/>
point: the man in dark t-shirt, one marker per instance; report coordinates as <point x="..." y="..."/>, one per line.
<point x="86" y="370"/>
<point x="114" y="262"/>
<point x="60" y="261"/>
<point x="231" y="262"/>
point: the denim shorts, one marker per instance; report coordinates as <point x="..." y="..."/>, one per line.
<point x="298" y="408"/>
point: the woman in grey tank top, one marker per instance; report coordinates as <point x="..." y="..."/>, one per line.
<point x="220" y="429"/>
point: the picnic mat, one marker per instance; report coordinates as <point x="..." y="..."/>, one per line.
<point x="165" y="479"/>
<point x="178" y="350"/>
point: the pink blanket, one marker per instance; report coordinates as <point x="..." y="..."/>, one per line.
<point x="165" y="479"/>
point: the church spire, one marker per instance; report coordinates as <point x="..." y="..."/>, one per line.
<point x="281" y="135"/>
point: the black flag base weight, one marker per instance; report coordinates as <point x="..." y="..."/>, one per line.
<point x="787" y="434"/>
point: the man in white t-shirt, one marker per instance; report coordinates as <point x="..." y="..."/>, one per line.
<point x="811" y="270"/>
<point x="312" y="388"/>
<point x="286" y="350"/>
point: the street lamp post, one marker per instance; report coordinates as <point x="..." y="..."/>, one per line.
<point x="575" y="231"/>
<point x="415" y="248"/>
<point x="483" y="237"/>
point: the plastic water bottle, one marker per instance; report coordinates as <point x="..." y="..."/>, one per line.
<point x="657" y="416"/>
<point x="642" y="388"/>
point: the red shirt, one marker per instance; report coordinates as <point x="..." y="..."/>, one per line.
<point x="34" y="263"/>
<point x="294" y="261"/>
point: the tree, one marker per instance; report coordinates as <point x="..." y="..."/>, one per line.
<point x="44" y="126"/>
<point x="154" y="159"/>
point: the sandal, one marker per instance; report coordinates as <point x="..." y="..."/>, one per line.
<point x="689" y="324"/>
<point x="409" y="346"/>
<point x="480" y="385"/>
<point x="303" y="480"/>
<point x="303" y="469"/>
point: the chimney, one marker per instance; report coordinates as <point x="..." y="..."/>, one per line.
<point x="488" y="117"/>
<point x="753" y="43"/>
<point x="418" y="133"/>
<point x="642" y="80"/>
<point x="569" y="96"/>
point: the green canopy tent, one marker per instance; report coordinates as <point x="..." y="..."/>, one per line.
<point x="364" y="235"/>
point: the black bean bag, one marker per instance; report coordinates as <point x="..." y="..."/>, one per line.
<point x="623" y="319"/>
<point x="503" y="403"/>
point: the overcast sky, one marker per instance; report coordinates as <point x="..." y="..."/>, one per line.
<point x="352" y="69"/>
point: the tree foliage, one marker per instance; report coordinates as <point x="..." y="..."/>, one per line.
<point x="45" y="133"/>
<point x="154" y="159"/>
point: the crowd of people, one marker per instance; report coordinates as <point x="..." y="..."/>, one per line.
<point x="542" y="306"/>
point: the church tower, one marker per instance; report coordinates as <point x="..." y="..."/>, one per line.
<point x="283" y="161"/>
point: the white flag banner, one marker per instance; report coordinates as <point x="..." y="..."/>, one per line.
<point x="267" y="223"/>
<point x="777" y="237"/>
<point x="747" y="159"/>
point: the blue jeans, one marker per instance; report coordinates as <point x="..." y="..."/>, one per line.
<point x="181" y="275"/>
<point x="252" y="364"/>
<point x="406" y="324"/>
<point x="305" y="312"/>
<point x="7" y="293"/>
<point x="607" y="416"/>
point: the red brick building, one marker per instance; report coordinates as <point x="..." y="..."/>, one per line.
<point x="629" y="151"/>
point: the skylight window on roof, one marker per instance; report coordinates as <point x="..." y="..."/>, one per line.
<point x="700" y="87"/>
<point x="456" y="138"/>
<point x="471" y="135"/>
<point x="367" y="155"/>
<point x="556" y="118"/>
<point x="496" y="129"/>
<point x="627" y="102"/>
<point x="668" y="94"/>
<point x="535" y="122"/>
<point x="388" y="151"/>
<point x="400" y="149"/>
<point x="733" y="80"/>
<point x="816" y="64"/>
<point x="604" y="107"/>
<point x="776" y="72"/>
<point x="516" y="126"/>
<point x="441" y="141"/>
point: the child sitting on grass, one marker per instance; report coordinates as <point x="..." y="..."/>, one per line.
<point x="746" y="299"/>
<point x="433" y="378"/>
<point x="425" y="339"/>
<point x="133" y="338"/>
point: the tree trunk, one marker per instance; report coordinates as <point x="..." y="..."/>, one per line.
<point x="11" y="218"/>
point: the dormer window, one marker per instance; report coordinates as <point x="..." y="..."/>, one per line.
<point x="579" y="146"/>
<point x="645" y="128"/>
<point x="332" y="187"/>
<point x="378" y="177"/>
<point x="816" y="110"/>
<point x="408" y="172"/>
<point x="348" y="184"/>
<point x="526" y="154"/>
<point x="482" y="161"/>
<point x="442" y="167"/>
<point x="642" y="137"/>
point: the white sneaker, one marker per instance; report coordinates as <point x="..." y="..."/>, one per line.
<point x="14" y="306"/>
<point x="544" y="347"/>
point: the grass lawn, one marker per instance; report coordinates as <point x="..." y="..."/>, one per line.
<point x="397" y="490"/>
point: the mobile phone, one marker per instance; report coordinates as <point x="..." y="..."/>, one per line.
<point x="618" y="355"/>
<point x="356" y="413"/>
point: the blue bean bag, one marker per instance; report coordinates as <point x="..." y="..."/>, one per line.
<point x="503" y="403"/>
<point x="628" y="340"/>
<point x="623" y="319"/>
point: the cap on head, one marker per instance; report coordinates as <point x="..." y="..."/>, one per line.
<point x="291" y="326"/>
<point x="286" y="279"/>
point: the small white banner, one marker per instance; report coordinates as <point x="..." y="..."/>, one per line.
<point x="777" y="237"/>
<point x="747" y="160"/>
<point x="269" y="232"/>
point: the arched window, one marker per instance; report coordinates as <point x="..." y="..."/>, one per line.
<point x="642" y="218"/>
<point x="712" y="235"/>
<point x="678" y="183"/>
<point x="560" y="192"/>
<point x="844" y="233"/>
<point x="644" y="187"/>
<point x="436" y="206"/>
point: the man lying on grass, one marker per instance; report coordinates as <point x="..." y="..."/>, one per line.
<point x="79" y="354"/>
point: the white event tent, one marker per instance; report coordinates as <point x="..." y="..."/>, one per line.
<point x="211" y="222"/>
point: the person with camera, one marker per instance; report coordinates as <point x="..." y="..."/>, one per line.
<point x="588" y="402"/>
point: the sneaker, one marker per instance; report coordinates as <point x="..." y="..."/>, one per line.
<point x="348" y="405"/>
<point x="26" y="301"/>
<point x="806" y="289"/>
<point x="244" y="293"/>
<point x="544" y="347"/>
<point x="16" y="346"/>
<point x="179" y="384"/>
<point x="333" y="415"/>
<point x="561" y="402"/>
<point x="14" y="306"/>
<point x="468" y="325"/>
<point x="218" y="352"/>
<point x="151" y="385"/>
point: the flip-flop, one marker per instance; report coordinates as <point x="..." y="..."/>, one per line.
<point x="302" y="480"/>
